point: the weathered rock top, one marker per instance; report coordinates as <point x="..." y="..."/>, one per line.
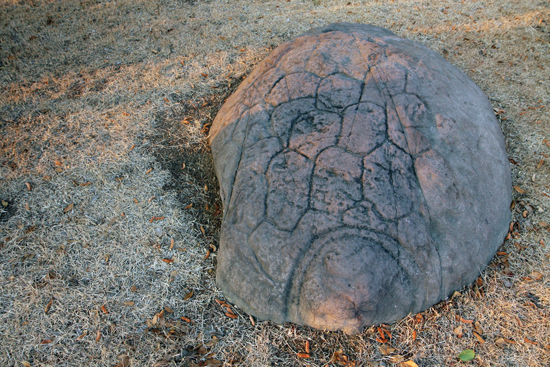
<point x="363" y="178"/>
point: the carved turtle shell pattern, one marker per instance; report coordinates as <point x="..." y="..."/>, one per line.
<point x="363" y="178"/>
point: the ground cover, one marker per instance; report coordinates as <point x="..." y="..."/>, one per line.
<point x="109" y="214"/>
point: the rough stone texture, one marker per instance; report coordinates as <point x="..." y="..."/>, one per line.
<point x="363" y="178"/>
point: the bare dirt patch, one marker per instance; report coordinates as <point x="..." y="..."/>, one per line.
<point x="103" y="259"/>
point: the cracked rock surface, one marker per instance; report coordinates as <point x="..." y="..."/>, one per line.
<point x="363" y="178"/>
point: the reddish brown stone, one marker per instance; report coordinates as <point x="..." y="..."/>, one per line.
<point x="363" y="178"/>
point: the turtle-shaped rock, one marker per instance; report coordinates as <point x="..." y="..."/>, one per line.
<point x="363" y="178"/>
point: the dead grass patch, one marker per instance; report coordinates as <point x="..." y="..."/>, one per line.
<point x="104" y="262"/>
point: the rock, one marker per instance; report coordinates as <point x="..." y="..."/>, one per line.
<point x="363" y="178"/>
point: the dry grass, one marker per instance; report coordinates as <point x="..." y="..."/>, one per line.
<point x="92" y="98"/>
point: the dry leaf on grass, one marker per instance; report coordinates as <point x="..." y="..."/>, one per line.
<point x="124" y="361"/>
<point x="479" y="337"/>
<point x="82" y="335"/>
<point x="47" y="308"/>
<point x="478" y="328"/>
<point x="519" y="189"/>
<point x="386" y="349"/>
<point x="500" y="342"/>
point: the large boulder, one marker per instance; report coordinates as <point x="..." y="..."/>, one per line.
<point x="363" y="178"/>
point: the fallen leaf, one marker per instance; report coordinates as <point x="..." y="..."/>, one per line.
<point x="189" y="206"/>
<point x="25" y="363"/>
<point x="220" y="302"/>
<point x="203" y="231"/>
<point x="414" y="334"/>
<point x="171" y="243"/>
<point x="519" y="189"/>
<point x="500" y="342"/>
<point x="47" y="308"/>
<point x="29" y="187"/>
<point x="458" y="331"/>
<point x="174" y="273"/>
<point x="479" y="337"/>
<point x="535" y="275"/>
<point x="307" y="347"/>
<point x="467" y="355"/>
<point x="188" y="295"/>
<point x="104" y="309"/>
<point x="478" y="328"/>
<point x="541" y="162"/>
<point x="68" y="208"/>
<point x="47" y="341"/>
<point x="124" y="361"/>
<point x="168" y="309"/>
<point x="129" y="303"/>
<point x="396" y="359"/>
<point x="82" y="335"/>
<point x="466" y="321"/>
<point x="186" y="319"/>
<point x="233" y="316"/>
<point x="530" y="341"/>
<point x="207" y="254"/>
<point x="133" y="288"/>
<point x="211" y="362"/>
<point x="252" y="320"/>
<point x="303" y="355"/>
<point x="408" y="363"/>
<point x="168" y="260"/>
<point x="4" y="203"/>
<point x="215" y="340"/>
<point x="98" y="336"/>
<point x="385" y="349"/>
<point x="204" y="75"/>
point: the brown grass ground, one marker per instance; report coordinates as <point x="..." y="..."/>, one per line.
<point x="101" y="254"/>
